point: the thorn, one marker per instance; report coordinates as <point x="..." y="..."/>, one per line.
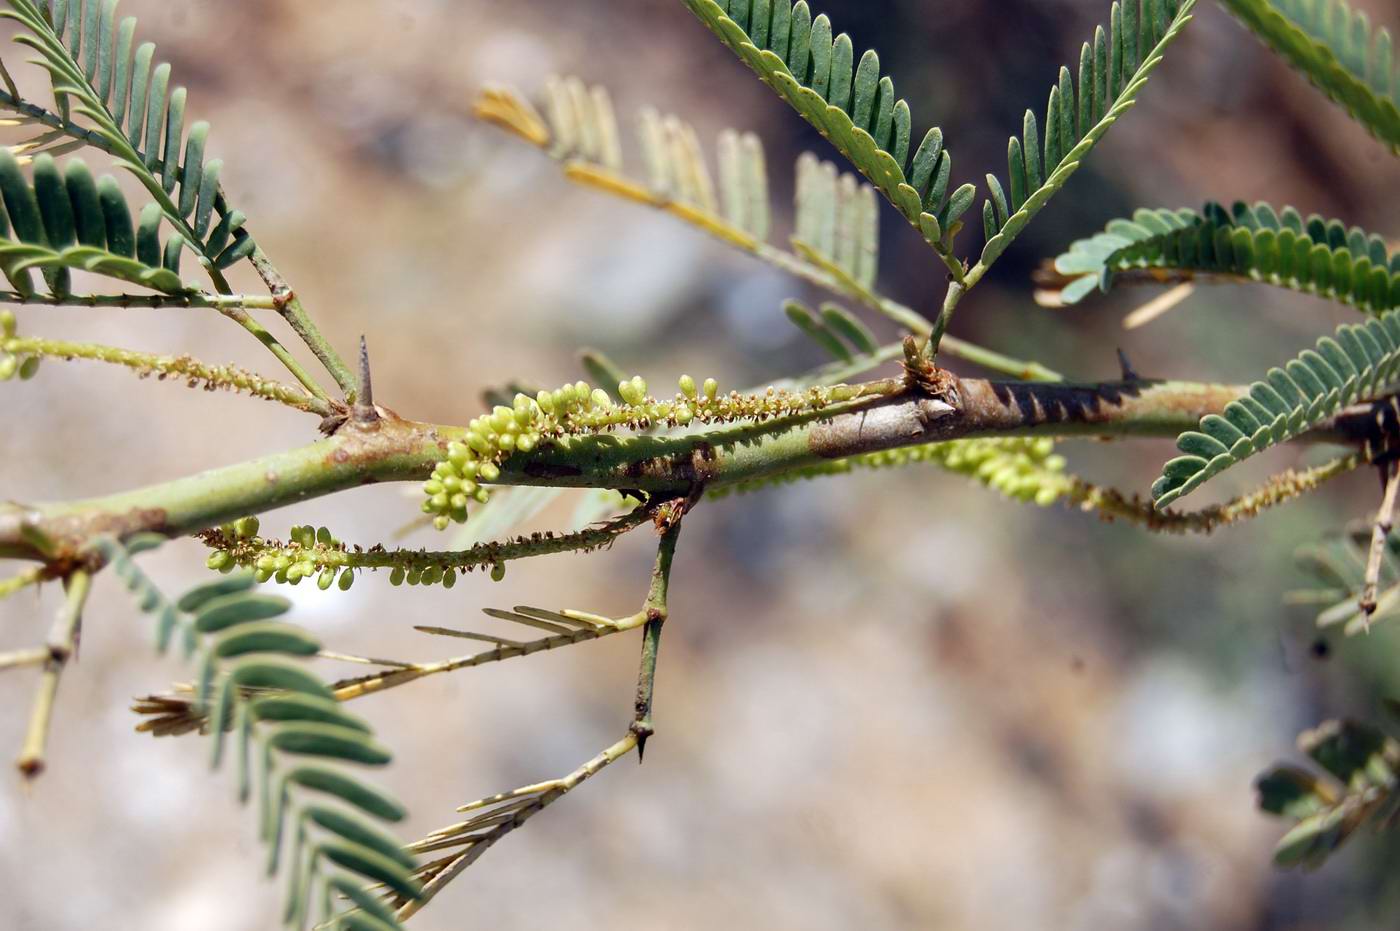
<point x="643" y="731"/>
<point x="363" y="411"/>
<point x="1127" y="367"/>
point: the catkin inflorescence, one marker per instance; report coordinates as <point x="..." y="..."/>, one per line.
<point x="580" y="409"/>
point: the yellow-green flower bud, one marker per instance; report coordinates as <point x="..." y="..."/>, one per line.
<point x="262" y="575"/>
<point x="246" y="527"/>
<point x="498" y="572"/>
<point x="687" y="386"/>
<point x="218" y="559"/>
<point x="489" y="472"/>
<point x="441" y="522"/>
<point x="545" y="399"/>
<point x="526" y="442"/>
<point x="326" y="579"/>
<point x="8" y="366"/>
<point x="449" y="578"/>
<point x="8" y="326"/>
<point x="396" y="576"/>
<point x="507" y="442"/>
<point x="710" y="388"/>
<point x="600" y="398"/>
<point x="29" y="368"/>
<point x="683" y="413"/>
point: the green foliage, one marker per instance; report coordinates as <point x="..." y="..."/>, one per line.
<point x="1337" y="566"/>
<point x="289" y="731"/>
<point x="1314" y="255"/>
<point x="849" y="103"/>
<point x="66" y="220"/>
<point x="837" y="221"/>
<point x="1362" y="760"/>
<point x="833" y="328"/>
<point x="1112" y="72"/>
<point x="1334" y="48"/>
<point x="97" y="75"/>
<point x="1355" y="364"/>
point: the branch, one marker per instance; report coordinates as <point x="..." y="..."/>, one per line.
<point x="62" y="644"/>
<point x="393" y="449"/>
<point x="196" y="299"/>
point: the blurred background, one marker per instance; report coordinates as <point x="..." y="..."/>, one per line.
<point x="885" y="701"/>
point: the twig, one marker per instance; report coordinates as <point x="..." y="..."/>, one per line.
<point x="291" y="309"/>
<point x="62" y="642"/>
<point x="21" y="580"/>
<point x="1385" y="519"/>
<point x="192" y="370"/>
<point x="655" y="610"/>
<point x="191" y="299"/>
<point x="17" y="658"/>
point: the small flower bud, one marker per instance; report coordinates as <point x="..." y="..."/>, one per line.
<point x="347" y="578"/>
<point x="687" y="385"/>
<point x="498" y="572"/>
<point x="29" y="368"/>
<point x="326" y="579"/>
<point x="710" y="388"/>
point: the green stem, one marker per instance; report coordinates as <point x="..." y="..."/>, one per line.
<point x="956" y="290"/>
<point x="143" y="301"/>
<point x="291" y="309"/>
<point x="191" y="370"/>
<point x="656" y="612"/>
<point x="62" y="642"/>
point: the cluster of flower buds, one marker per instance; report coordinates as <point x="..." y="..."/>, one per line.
<point x="12" y="364"/>
<point x="579" y="408"/>
<point x="1023" y="469"/>
<point x="304" y="556"/>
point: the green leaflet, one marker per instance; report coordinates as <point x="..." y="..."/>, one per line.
<point x="1362" y="760"/>
<point x="1355" y="364"/>
<point x="836" y="218"/>
<point x="834" y="328"/>
<point x="848" y="102"/>
<point x="287" y="726"/>
<point x="67" y="220"/>
<point x="1313" y="255"/>
<point x="97" y="74"/>
<point x="1112" y="72"/>
<point x="1334" y="48"/>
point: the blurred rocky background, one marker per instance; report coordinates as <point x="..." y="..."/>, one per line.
<point x="887" y="701"/>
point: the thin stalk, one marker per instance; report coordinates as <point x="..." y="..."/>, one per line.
<point x="656" y="612"/>
<point x="62" y="641"/>
<point x="291" y="309"/>
<point x="192" y="371"/>
<point x="805" y="264"/>
<point x="143" y="301"/>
